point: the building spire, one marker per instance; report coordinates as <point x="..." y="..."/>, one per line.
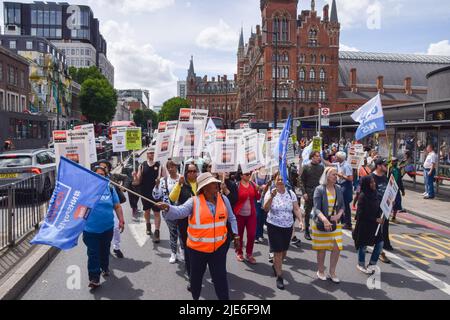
<point x="191" y="71"/>
<point x="334" y="16"/>
<point x="313" y="5"/>
<point x="241" y="39"/>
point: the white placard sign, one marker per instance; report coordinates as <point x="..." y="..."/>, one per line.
<point x="164" y="147"/>
<point x="261" y="147"/>
<point x="249" y="152"/>
<point x="389" y="197"/>
<point x="77" y="152"/>
<point x="119" y="139"/>
<point x="189" y="141"/>
<point x="225" y="157"/>
<point x="273" y="138"/>
<point x="89" y="128"/>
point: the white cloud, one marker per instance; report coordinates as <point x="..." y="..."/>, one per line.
<point x="343" y="47"/>
<point x="137" y="65"/>
<point x="441" y="48"/>
<point x="220" y="37"/>
<point x="127" y="6"/>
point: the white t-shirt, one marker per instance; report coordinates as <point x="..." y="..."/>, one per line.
<point x="430" y="160"/>
<point x="281" y="212"/>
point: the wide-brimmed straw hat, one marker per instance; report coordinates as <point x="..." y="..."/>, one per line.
<point x="204" y="179"/>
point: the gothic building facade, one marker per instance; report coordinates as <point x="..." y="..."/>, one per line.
<point x="293" y="61"/>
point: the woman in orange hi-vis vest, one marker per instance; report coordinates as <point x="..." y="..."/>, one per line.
<point x="209" y="214"/>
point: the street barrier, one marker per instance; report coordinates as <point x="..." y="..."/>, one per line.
<point x="22" y="207"/>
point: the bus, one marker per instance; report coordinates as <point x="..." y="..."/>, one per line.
<point x="218" y="122"/>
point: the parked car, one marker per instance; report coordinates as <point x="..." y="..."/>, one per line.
<point x="19" y="165"/>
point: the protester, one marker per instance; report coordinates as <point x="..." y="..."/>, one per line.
<point x="367" y="222"/>
<point x="145" y="178"/>
<point x="132" y="198"/>
<point x="8" y="145"/>
<point x="260" y="178"/>
<point x="245" y="211"/>
<point x="162" y="190"/>
<point x="382" y="181"/>
<point x="429" y="173"/>
<point x="345" y="174"/>
<point x="309" y="181"/>
<point x="98" y="232"/>
<point x="208" y="214"/>
<point x="362" y="172"/>
<point x="181" y="193"/>
<point x="396" y="172"/>
<point x="280" y="204"/>
<point x="105" y="164"/>
<point x="327" y="231"/>
<point x="229" y="188"/>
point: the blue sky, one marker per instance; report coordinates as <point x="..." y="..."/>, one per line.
<point x="150" y="41"/>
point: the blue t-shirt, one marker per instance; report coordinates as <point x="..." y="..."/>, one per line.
<point x="101" y="219"/>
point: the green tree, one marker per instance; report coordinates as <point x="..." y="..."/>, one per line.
<point x="141" y="118"/>
<point x="171" y="109"/>
<point x="80" y="75"/>
<point x="98" y="100"/>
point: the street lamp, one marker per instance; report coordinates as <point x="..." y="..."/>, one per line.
<point x="290" y="84"/>
<point x="226" y="104"/>
<point x="275" y="106"/>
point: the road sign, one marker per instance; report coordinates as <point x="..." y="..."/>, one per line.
<point x="325" y="122"/>
<point x="325" y="112"/>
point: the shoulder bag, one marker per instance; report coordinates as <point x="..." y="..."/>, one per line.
<point x="320" y="225"/>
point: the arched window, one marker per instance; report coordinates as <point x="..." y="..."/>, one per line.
<point x="302" y="75"/>
<point x="301" y="112"/>
<point x="312" y="74"/>
<point x="313" y="58"/>
<point x="323" y="58"/>
<point x="284" y="113"/>
<point x="284" y="29"/>
<point x="322" y="75"/>
<point x="322" y="94"/>
<point x="285" y="57"/>
<point x="301" y="58"/>
<point x="312" y="95"/>
<point x="302" y="94"/>
<point x="312" y="111"/>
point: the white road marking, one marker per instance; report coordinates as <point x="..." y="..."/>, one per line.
<point x="441" y="285"/>
<point x="138" y="231"/>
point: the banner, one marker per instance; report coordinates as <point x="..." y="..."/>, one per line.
<point x="198" y="116"/>
<point x="209" y="138"/>
<point x="371" y="118"/>
<point x="133" y="139"/>
<point x="118" y="139"/>
<point x="225" y="157"/>
<point x="76" y="193"/>
<point x="249" y="152"/>
<point x="89" y="129"/>
<point x="389" y="197"/>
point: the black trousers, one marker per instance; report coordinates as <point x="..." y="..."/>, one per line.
<point x="182" y="229"/>
<point x="387" y="242"/>
<point x="308" y="208"/>
<point x="217" y="264"/>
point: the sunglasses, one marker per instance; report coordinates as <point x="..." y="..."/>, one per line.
<point x="192" y="171"/>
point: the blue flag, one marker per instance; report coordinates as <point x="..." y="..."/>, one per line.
<point x="371" y="118"/>
<point x="282" y="151"/>
<point x="77" y="191"/>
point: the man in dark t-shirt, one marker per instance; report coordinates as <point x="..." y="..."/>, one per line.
<point x="381" y="180"/>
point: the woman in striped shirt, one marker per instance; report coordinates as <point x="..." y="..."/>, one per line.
<point x="328" y="208"/>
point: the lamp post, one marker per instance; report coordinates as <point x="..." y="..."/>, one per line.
<point x="275" y="106"/>
<point x="226" y="104"/>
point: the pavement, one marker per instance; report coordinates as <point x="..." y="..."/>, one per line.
<point x="419" y="270"/>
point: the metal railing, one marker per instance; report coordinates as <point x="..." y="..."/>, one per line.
<point x="22" y="208"/>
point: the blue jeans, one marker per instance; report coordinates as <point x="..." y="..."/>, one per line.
<point x="375" y="254"/>
<point x="429" y="182"/>
<point x="259" y="220"/>
<point x="98" y="246"/>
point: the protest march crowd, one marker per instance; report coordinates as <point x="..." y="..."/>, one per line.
<point x="229" y="186"/>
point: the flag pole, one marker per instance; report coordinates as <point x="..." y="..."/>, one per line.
<point x="132" y="192"/>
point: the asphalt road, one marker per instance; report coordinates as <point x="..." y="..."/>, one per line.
<point x="419" y="271"/>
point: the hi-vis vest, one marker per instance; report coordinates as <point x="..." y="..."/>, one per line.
<point x="207" y="233"/>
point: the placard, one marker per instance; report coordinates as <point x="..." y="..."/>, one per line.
<point x="118" y="139"/>
<point x="249" y="152"/>
<point x="317" y="144"/>
<point x="225" y="157"/>
<point x="134" y="139"/>
<point x="89" y="128"/>
<point x="389" y="197"/>
<point x="77" y="152"/>
<point x="188" y="141"/>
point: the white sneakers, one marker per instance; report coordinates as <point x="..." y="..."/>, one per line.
<point x="363" y="269"/>
<point x="173" y="258"/>
<point x="180" y="255"/>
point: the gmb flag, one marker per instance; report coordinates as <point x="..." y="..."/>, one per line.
<point x="371" y="118"/>
<point x="77" y="191"/>
<point x="282" y="150"/>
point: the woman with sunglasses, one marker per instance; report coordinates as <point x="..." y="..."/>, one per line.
<point x="245" y="211"/>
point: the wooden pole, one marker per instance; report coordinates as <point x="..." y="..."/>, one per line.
<point x="132" y="192"/>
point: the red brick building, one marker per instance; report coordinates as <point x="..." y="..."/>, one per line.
<point x="311" y="70"/>
<point x="219" y="96"/>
